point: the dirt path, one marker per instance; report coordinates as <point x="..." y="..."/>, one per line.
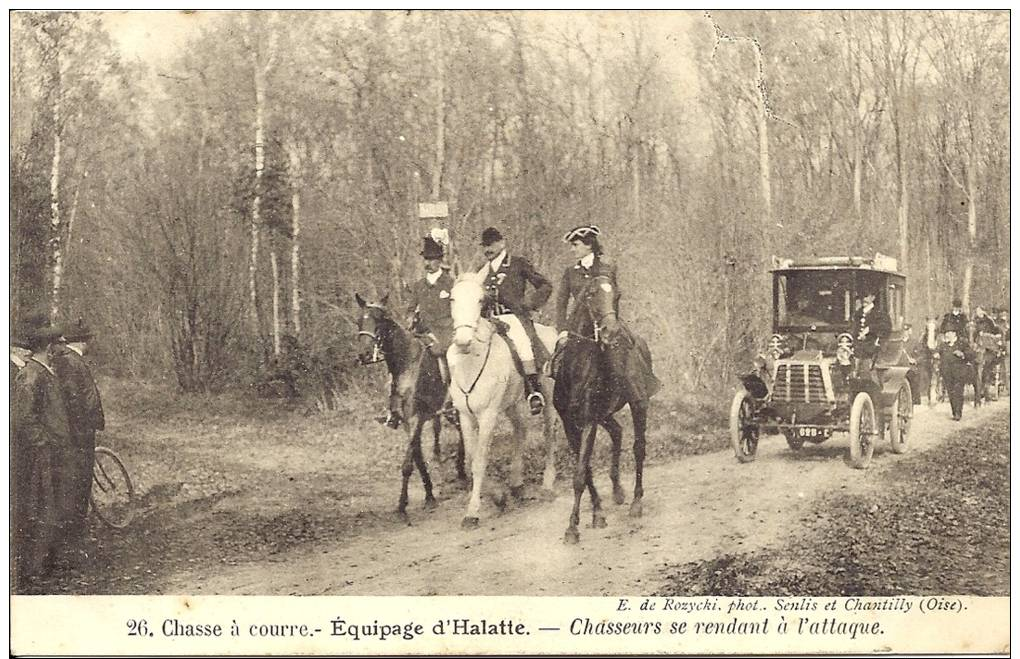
<point x="694" y="509"/>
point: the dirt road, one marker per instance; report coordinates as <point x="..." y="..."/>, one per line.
<point x="695" y="508"/>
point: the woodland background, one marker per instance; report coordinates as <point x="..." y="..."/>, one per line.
<point x="214" y="209"/>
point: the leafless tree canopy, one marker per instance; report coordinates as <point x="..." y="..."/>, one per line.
<point x="210" y="205"/>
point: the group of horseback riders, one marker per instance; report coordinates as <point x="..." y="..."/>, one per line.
<point x="507" y="279"/>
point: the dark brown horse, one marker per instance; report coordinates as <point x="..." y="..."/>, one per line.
<point x="597" y="373"/>
<point x="416" y="389"/>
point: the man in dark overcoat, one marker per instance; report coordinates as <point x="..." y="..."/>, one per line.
<point x="85" y="412"/>
<point x="957" y="369"/>
<point x="955" y="320"/>
<point x="41" y="430"/>
<point x="871" y="326"/>
<point x="506" y="279"/>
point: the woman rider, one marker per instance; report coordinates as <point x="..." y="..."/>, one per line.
<point x="584" y="244"/>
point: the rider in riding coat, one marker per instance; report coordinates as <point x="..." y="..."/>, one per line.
<point x="984" y="322"/>
<point x="506" y="280"/>
<point x="584" y="244"/>
<point x="428" y="307"/>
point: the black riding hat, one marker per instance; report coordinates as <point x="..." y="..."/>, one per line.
<point x="431" y="249"/>
<point x="491" y="235"/>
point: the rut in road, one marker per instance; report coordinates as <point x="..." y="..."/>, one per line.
<point x="695" y="508"/>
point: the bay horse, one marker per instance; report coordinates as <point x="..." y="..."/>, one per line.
<point x="596" y="376"/>
<point x="485" y="382"/>
<point x="416" y="389"/>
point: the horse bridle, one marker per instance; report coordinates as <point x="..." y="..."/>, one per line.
<point x="378" y="354"/>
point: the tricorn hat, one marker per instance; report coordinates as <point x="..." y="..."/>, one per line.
<point x="581" y="232"/>
<point x="431" y="249"/>
<point x="77" y="331"/>
<point x="491" y="235"/>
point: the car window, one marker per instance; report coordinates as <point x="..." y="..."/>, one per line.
<point x="813" y="297"/>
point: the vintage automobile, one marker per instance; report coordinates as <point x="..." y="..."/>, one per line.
<point x="810" y="383"/>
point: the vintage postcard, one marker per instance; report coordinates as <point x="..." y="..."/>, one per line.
<point x="475" y="331"/>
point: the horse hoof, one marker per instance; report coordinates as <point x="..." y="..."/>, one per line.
<point x="571" y="537"/>
<point x="598" y="522"/>
<point x="469" y="523"/>
<point x="402" y="516"/>
<point x="636" y="509"/>
<point x="546" y="494"/>
<point x="517" y="492"/>
<point x="430" y="503"/>
<point x="618" y="496"/>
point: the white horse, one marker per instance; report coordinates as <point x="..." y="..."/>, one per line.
<point x="484" y="382"/>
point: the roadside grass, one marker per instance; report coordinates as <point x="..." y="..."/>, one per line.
<point x="935" y="523"/>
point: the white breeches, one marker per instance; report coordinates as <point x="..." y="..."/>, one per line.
<point x="519" y="337"/>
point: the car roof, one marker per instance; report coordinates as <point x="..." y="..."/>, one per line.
<point x="880" y="263"/>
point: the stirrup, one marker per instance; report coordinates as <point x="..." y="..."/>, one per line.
<point x="536" y="401"/>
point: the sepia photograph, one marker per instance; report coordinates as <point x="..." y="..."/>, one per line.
<point x="586" y="303"/>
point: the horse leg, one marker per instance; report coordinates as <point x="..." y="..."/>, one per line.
<point x="616" y="437"/>
<point x="549" y="434"/>
<point x="584" y="464"/>
<point x="437" y="429"/>
<point x="639" y="413"/>
<point x="517" y="453"/>
<point x="461" y="474"/>
<point x="479" y="462"/>
<point x="573" y="433"/>
<point x="419" y="459"/>
<point x="407" y="468"/>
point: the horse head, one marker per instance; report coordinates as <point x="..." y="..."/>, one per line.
<point x="467" y="298"/>
<point x="599" y="298"/>
<point x="373" y="320"/>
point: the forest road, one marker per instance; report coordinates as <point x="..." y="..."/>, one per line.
<point x="694" y="509"/>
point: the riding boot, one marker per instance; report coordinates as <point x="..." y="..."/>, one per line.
<point x="447" y="411"/>
<point x="533" y="388"/>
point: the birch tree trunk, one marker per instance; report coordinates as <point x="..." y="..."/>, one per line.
<point x="256" y="203"/>
<point x="276" y="300"/>
<point x="55" y="238"/>
<point x="259" y="71"/>
<point x="437" y="170"/>
<point x="968" y="272"/>
<point x="295" y="245"/>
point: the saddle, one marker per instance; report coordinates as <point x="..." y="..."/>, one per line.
<point x="503" y="329"/>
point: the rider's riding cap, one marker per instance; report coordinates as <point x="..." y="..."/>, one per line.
<point x="958" y="303"/>
<point x="491" y="235"/>
<point x="432" y="250"/>
<point x="581" y="232"/>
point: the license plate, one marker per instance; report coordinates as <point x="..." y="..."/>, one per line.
<point x="808" y="432"/>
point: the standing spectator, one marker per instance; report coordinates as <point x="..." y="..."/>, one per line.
<point x="957" y="370"/>
<point x="40" y="429"/>
<point x="85" y="413"/>
<point x="955" y="320"/>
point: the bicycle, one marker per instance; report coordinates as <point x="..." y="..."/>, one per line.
<point x="113" y="494"/>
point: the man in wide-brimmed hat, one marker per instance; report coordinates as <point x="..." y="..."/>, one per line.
<point x="85" y="413"/>
<point x="40" y="432"/>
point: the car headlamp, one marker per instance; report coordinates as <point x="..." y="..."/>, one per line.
<point x="776" y="342"/>
<point x="844" y="349"/>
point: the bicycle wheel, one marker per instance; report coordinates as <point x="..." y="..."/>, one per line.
<point x="113" y="494"/>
